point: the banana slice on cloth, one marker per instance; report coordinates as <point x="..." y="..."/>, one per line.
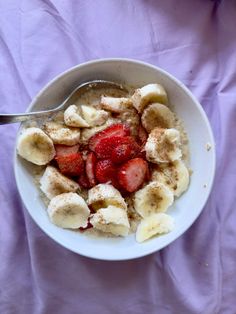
<point x="61" y="134"/>
<point x="148" y="94"/>
<point x="53" y="183"/>
<point x="35" y="146"/>
<point x="111" y="219"/>
<point x="103" y="195"/>
<point x="155" y="197"/>
<point x="175" y="175"/>
<point x="163" y="145"/>
<point x="94" y="117"/>
<point x="157" y="115"/>
<point x="115" y="104"/>
<point x="68" y="210"/>
<point x="72" y="117"/>
<point x="155" y="224"/>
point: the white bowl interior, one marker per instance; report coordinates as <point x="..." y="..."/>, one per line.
<point x="185" y="209"/>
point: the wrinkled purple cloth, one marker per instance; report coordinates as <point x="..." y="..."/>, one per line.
<point x="195" y="40"/>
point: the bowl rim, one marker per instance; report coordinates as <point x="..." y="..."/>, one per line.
<point x="144" y="252"/>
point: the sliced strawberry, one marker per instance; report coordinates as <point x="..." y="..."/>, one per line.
<point x="63" y="150"/>
<point x="106" y="145"/>
<point x="71" y="165"/>
<point x="83" y="181"/>
<point x="117" y="129"/>
<point x="121" y="153"/>
<point x="127" y="149"/>
<point x="106" y="171"/>
<point x="142" y="135"/>
<point x="132" y="174"/>
<point x="90" y="168"/>
<point x="84" y="154"/>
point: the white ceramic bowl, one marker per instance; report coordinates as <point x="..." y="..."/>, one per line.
<point x="185" y="210"/>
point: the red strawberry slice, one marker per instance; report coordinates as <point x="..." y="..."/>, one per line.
<point x="121" y="153"/>
<point x="106" y="145"/>
<point x="142" y="135"/>
<point x="83" y="181"/>
<point x="71" y="165"/>
<point x="90" y="168"/>
<point x="63" y="150"/>
<point x="117" y="129"/>
<point x="132" y="174"/>
<point x="106" y="171"/>
<point x="127" y="149"/>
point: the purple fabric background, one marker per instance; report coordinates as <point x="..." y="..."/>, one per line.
<point x="195" y="41"/>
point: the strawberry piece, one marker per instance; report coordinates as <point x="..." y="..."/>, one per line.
<point x="121" y="153"/>
<point x="83" y="181"/>
<point x="90" y="168"/>
<point x="127" y="149"/>
<point x="142" y="135"/>
<point x="106" y="171"/>
<point x="71" y="165"/>
<point x="132" y="174"/>
<point x="63" y="150"/>
<point x="117" y="129"/>
<point x="106" y="145"/>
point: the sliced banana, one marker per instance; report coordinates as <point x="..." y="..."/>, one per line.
<point x="163" y="145"/>
<point x="68" y="210"/>
<point x="61" y="134"/>
<point x="35" y="146"/>
<point x="155" y="197"/>
<point x="175" y="175"/>
<point x="148" y="94"/>
<point x="115" y="104"/>
<point x="87" y="133"/>
<point x="153" y="225"/>
<point x="157" y="115"/>
<point x="53" y="183"/>
<point x="103" y="195"/>
<point x="72" y="117"/>
<point x="93" y="116"/>
<point x="111" y="219"/>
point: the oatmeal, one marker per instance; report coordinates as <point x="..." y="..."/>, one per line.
<point x="112" y="163"/>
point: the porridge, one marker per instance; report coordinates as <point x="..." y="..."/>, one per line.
<point x="112" y="163"/>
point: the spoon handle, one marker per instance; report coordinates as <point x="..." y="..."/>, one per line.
<point x="21" y="117"/>
<point x="82" y="88"/>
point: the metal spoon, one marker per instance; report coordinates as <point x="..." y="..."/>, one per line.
<point x="82" y="88"/>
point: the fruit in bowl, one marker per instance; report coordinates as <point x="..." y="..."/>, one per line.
<point x="100" y="236"/>
<point x="127" y="171"/>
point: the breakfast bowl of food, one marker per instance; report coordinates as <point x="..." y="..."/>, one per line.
<point x="123" y="168"/>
